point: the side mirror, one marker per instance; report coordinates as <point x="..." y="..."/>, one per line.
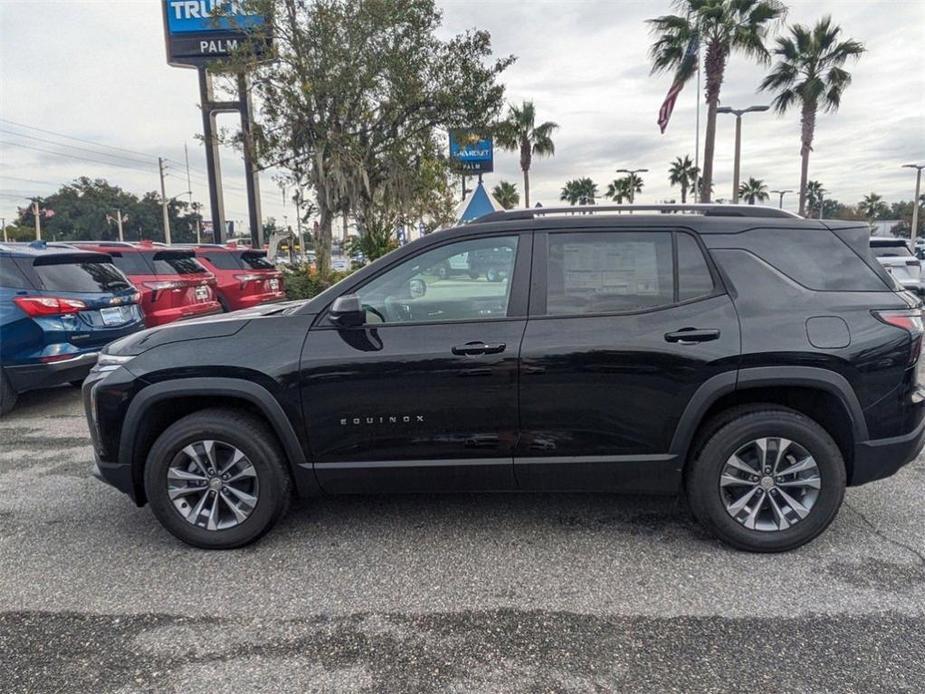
<point x="417" y="288"/>
<point x="347" y="312"/>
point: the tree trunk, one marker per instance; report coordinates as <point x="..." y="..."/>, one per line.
<point x="525" y="167"/>
<point x="345" y="226"/>
<point x="683" y="194"/>
<point x="323" y="242"/>
<point x="715" y="66"/>
<point x="808" y="120"/>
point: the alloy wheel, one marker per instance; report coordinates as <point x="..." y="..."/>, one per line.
<point x="213" y="485"/>
<point x="770" y="484"/>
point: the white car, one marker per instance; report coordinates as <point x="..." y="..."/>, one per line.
<point x="898" y="260"/>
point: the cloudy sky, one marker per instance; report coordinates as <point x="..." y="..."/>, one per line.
<point x="95" y="71"/>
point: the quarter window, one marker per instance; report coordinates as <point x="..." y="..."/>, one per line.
<point x="608" y="272"/>
<point x="467" y="280"/>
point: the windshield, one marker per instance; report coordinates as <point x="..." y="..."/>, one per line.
<point x="88" y="275"/>
<point x="177" y="264"/>
<point x="890" y="250"/>
<point x="257" y="261"/>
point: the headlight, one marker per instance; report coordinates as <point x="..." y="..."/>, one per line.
<point x="110" y="362"/>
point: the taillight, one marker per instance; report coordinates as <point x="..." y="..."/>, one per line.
<point x="48" y="305"/>
<point x="910" y="321"/>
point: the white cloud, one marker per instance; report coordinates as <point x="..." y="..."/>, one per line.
<point x="97" y="70"/>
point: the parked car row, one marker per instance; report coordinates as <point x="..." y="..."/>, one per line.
<point x="899" y="261"/>
<point x="60" y="304"/>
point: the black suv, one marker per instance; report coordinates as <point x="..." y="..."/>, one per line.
<point x="755" y="361"/>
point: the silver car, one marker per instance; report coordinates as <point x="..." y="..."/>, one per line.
<point x="898" y="260"/>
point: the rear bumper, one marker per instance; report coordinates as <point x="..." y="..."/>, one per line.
<point x="47" y="374"/>
<point x="880" y="458"/>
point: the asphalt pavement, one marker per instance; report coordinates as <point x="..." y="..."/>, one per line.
<point x="494" y="593"/>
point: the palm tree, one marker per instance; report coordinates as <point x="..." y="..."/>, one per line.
<point x="723" y="26"/>
<point x="624" y="189"/>
<point x="809" y="70"/>
<point x="815" y="196"/>
<point x="753" y="190"/>
<point x="579" y="191"/>
<point x="521" y="133"/>
<point x="682" y="173"/>
<point x="506" y="194"/>
<point x="872" y="206"/>
<point x="571" y="192"/>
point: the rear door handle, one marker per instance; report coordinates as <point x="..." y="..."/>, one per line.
<point x="690" y="336"/>
<point x="473" y="348"/>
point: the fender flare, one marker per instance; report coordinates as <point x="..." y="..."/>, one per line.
<point x="218" y="387"/>
<point x="765" y="376"/>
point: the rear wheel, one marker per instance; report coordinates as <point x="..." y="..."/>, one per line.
<point x="767" y="479"/>
<point x="7" y="395"/>
<point x="217" y="479"/>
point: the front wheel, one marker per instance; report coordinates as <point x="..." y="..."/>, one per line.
<point x="767" y="479"/>
<point x="217" y="479"/>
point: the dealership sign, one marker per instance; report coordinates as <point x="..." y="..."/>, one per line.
<point x="471" y="153"/>
<point x="199" y="32"/>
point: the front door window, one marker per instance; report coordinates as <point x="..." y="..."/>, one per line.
<point x="466" y="280"/>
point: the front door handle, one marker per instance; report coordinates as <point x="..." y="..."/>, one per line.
<point x="473" y="348"/>
<point x="690" y="336"/>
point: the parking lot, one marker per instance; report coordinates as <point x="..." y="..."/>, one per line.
<point x="441" y="593"/>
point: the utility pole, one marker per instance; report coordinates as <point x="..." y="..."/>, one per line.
<point x="782" y="193"/>
<point x="737" y="112"/>
<point x="120" y="218"/>
<point x="915" y="200"/>
<point x="164" y="202"/>
<point x="38" y="222"/>
<point x="3" y="226"/>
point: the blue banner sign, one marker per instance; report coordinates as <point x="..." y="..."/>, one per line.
<point x="203" y="16"/>
<point x="199" y="32"/>
<point x="471" y="152"/>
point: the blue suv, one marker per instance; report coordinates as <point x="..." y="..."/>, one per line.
<point x="59" y="306"/>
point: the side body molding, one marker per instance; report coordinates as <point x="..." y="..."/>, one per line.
<point x="217" y="387"/>
<point x="765" y="376"/>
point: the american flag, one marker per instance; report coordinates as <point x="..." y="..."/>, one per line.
<point x="664" y="113"/>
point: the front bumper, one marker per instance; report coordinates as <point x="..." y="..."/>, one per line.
<point x="118" y="475"/>
<point x="880" y="458"/>
<point x="47" y="374"/>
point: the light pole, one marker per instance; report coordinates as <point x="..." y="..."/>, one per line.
<point x="915" y="200"/>
<point x="782" y="193"/>
<point x="737" y="112"/>
<point x="630" y="173"/>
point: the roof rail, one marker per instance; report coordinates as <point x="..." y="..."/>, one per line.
<point x="706" y="209"/>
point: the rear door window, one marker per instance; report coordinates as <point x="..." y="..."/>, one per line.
<point x="694" y="278"/>
<point x="257" y="261"/>
<point x="166" y="263"/>
<point x="608" y="272"/>
<point x="79" y="275"/>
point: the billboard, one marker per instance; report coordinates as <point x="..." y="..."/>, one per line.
<point x="199" y="32"/>
<point x="471" y="152"/>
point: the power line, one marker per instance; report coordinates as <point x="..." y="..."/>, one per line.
<point x="82" y="149"/>
<point x="74" y="156"/>
<point x="30" y="180"/>
<point x="76" y="139"/>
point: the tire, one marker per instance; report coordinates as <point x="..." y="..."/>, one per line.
<point x="779" y="525"/>
<point x="493" y="276"/>
<point x="473" y="275"/>
<point x="8" y="396"/>
<point x="228" y="429"/>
